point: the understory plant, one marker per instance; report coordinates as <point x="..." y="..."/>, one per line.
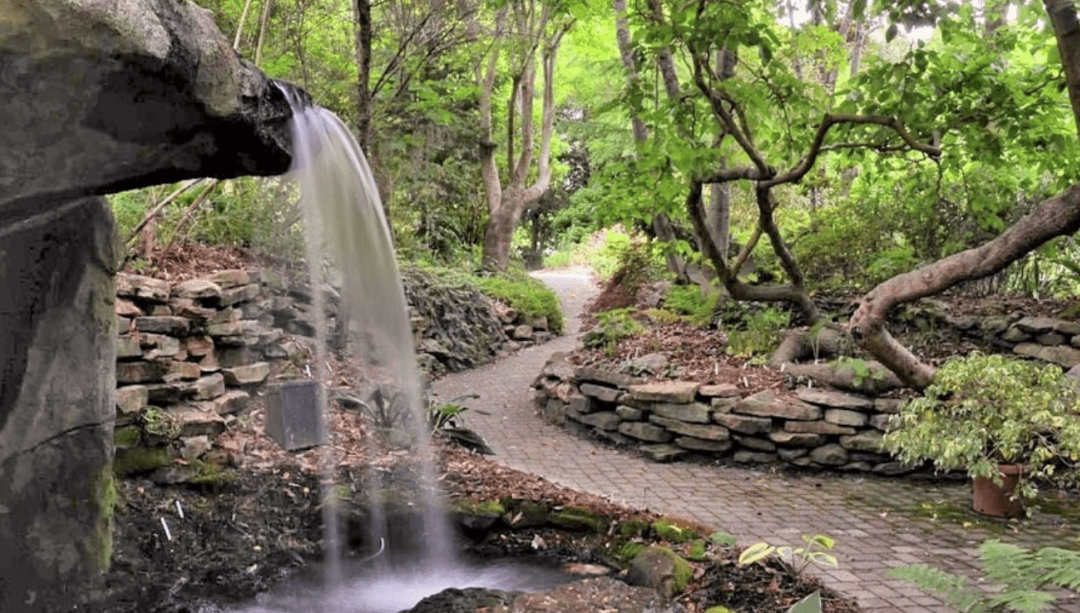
<point x="1024" y="577"/>
<point x="611" y="327"/>
<point x="528" y="295"/>
<point x="815" y="552"/>
<point x="985" y="410"/>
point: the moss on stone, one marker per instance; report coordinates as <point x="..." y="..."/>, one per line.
<point x="209" y="474"/>
<point x="104" y="500"/>
<point x="718" y="610"/>
<point x="667" y="530"/>
<point x="141" y="459"/>
<point x="126" y="437"/>
<point x="629" y="551"/>
<point x="696" y="552"/>
<point x="577" y="518"/>
<point x="486" y="508"/>
<point x="633" y="527"/>
<point x="683" y="571"/>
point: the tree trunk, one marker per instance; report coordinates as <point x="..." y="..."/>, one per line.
<point x="500" y="231"/>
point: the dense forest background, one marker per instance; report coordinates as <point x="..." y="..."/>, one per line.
<point x="774" y="148"/>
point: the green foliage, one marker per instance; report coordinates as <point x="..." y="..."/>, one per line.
<point x="753" y="332"/>
<point x="159" y="423"/>
<point x="529" y="296"/>
<point x="611" y="327"/>
<point x="688" y="300"/>
<point x="985" y="410"/>
<point x="696" y="552"/>
<point x="813" y="553"/>
<point x="1023" y="575"/>
<point x="671" y="532"/>
<point x="810" y="604"/>
<point x="723" y="539"/>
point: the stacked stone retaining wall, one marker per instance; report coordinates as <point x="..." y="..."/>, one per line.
<point x="190" y="354"/>
<point x="670" y="419"/>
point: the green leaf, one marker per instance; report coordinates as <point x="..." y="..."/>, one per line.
<point x="755" y="553"/>
<point x="810" y="604"/>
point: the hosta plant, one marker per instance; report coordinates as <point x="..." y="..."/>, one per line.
<point x="986" y="410"/>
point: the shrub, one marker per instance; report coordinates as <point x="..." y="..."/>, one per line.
<point x="526" y="294"/>
<point x="611" y="327"/>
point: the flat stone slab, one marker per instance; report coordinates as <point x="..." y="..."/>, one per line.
<point x="723" y="390"/>
<point x="697" y="444"/>
<point x="663" y="453"/>
<point x="829" y="455"/>
<point x="629" y="413"/>
<point x="1036" y="325"/>
<point x="600" y="392"/>
<point x="745" y="424"/>
<point x="170" y="325"/>
<point x="131" y="399"/>
<point x="603" y="376"/>
<point x="644" y="431"/>
<point x="1064" y="356"/>
<point x="680" y="392"/>
<point x="197" y="289"/>
<point x="249" y="374"/>
<point x="766" y="404"/>
<point x="709" y="433"/>
<point x="817" y="427"/>
<point x="695" y="412"/>
<point x="144" y="288"/>
<point x="140" y="372"/>
<point x="869" y="440"/>
<point x="844" y="417"/>
<point x="829" y="398"/>
<point x="796" y="439"/>
<point x="231" y="278"/>
<point x="754" y="442"/>
<point x="193" y="420"/>
<point x="604" y="420"/>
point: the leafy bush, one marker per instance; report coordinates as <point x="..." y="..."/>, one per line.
<point x="688" y="300"/>
<point x="996" y="410"/>
<point x="526" y="294"/>
<point x="753" y="332"/>
<point x="611" y="327"/>
<point x="1023" y="575"/>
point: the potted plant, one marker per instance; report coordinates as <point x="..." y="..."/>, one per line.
<point x="1008" y="423"/>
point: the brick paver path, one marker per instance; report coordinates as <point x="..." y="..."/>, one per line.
<point x="877" y="522"/>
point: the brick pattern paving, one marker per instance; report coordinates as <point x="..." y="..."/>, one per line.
<point x="877" y="522"/>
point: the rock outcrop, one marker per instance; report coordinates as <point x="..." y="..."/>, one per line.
<point x="96" y="97"/>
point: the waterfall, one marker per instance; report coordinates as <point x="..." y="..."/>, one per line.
<point x="344" y="218"/>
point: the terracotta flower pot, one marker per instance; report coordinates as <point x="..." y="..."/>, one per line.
<point x="989" y="498"/>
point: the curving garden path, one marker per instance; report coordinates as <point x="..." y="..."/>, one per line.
<point x="877" y="522"/>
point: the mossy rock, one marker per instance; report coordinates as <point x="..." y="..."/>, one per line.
<point x="576" y="518"/>
<point x="142" y="459"/>
<point x="127" y="437"/>
<point x="526" y="514"/>
<point x="628" y="551"/>
<point x="723" y="539"/>
<point x="719" y="610"/>
<point x="696" y="551"/>
<point x="661" y="568"/>
<point x="473" y="515"/>
<point x="211" y="475"/>
<point x="634" y="526"/>
<point x="672" y="533"/>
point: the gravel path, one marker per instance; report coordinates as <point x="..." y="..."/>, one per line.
<point x="877" y="522"/>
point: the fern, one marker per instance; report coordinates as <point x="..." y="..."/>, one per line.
<point x="1022" y="573"/>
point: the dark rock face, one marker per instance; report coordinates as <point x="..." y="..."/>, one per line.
<point x="148" y="91"/>
<point x="57" y="411"/>
<point x="96" y="97"/>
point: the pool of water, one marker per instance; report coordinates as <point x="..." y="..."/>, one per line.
<point x="401" y="586"/>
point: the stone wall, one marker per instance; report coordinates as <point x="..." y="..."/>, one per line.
<point x="670" y="419"/>
<point x="1052" y="340"/>
<point x="190" y="354"/>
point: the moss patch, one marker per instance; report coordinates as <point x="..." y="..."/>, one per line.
<point x="667" y="530"/>
<point x="141" y="459"/>
<point x="696" y="552"/>
<point x="576" y="518"/>
<point x="104" y="500"/>
<point x="127" y="437"/>
<point x="633" y="527"/>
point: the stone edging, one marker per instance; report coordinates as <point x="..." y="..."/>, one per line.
<point x="670" y="419"/>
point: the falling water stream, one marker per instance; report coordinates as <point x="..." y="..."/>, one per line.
<point x="344" y="218"/>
